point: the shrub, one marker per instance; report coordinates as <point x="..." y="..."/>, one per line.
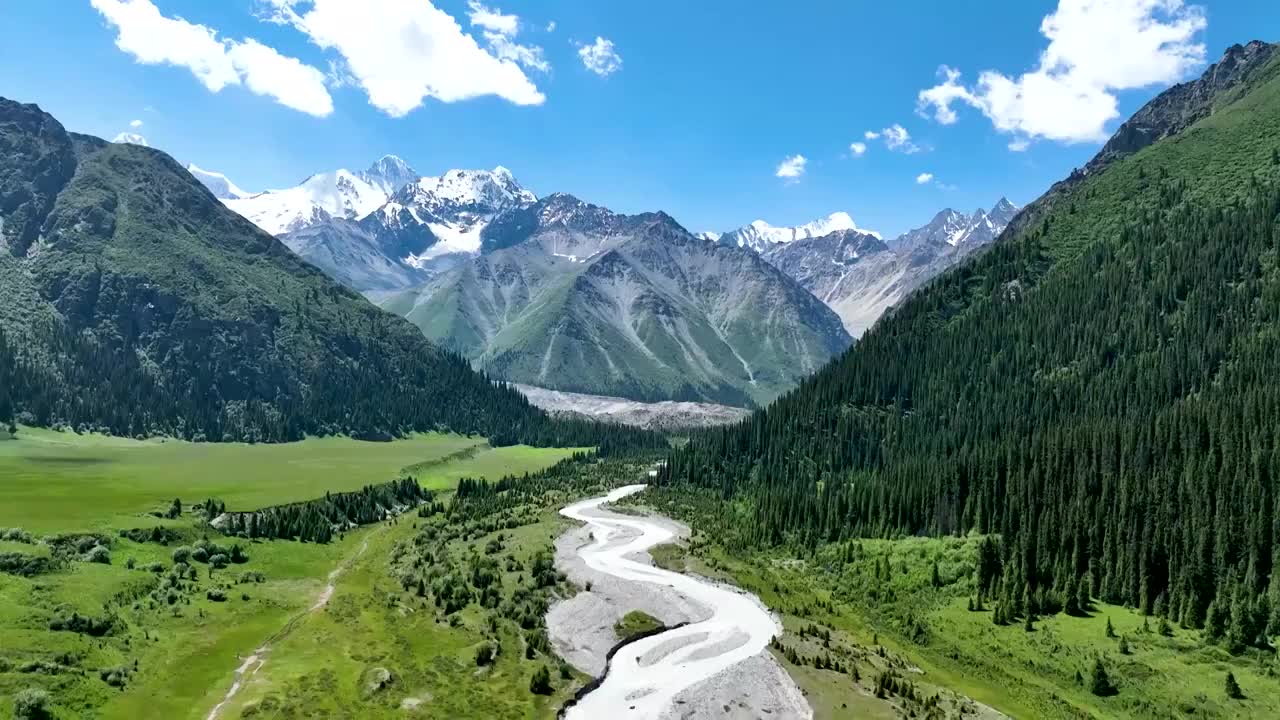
<point x="484" y="655"/>
<point x="200" y="554"/>
<point x="31" y="704"/>
<point x="216" y="594"/>
<point x="98" y="554"/>
<point x="218" y="561"/>
<point x="181" y="554"/>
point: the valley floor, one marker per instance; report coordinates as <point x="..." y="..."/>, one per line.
<point x="136" y="632"/>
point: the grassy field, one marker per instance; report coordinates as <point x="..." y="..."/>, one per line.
<point x="176" y="631"/>
<point x="55" y="481"/>
<point x="881" y="610"/>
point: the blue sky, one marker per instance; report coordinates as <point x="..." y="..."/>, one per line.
<point x="693" y="107"/>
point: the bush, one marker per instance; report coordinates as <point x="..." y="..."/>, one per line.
<point x="484" y="655"/>
<point x="216" y="594"/>
<point x="218" y="561"/>
<point x="200" y="554"/>
<point x="98" y="554"/>
<point x="31" y="704"/>
<point x="181" y="554"/>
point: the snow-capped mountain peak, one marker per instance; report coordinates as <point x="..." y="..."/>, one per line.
<point x="760" y="235"/>
<point x="217" y="183"/>
<point x="494" y="189"/>
<point x="443" y="215"/>
<point x="389" y="174"/>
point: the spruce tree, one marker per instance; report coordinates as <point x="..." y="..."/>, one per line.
<point x="1099" y="681"/>
<point x="1232" y="688"/>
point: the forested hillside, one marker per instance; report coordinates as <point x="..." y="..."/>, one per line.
<point x="132" y="301"/>
<point x="1099" y="388"/>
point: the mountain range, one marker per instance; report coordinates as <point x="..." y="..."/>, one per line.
<point x="574" y="297"/>
<point x="486" y="269"/>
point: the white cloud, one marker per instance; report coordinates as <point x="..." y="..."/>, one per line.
<point x="404" y="51"/>
<point x="493" y="20"/>
<point x="871" y="135"/>
<point x="1096" y="48"/>
<point x="551" y="26"/>
<point x="897" y="138"/>
<point x="135" y="124"/>
<point x="154" y="39"/>
<point x="499" y="32"/>
<point x="290" y="81"/>
<point x="130" y="139"/>
<point x="857" y="148"/>
<point x="924" y="178"/>
<point x="600" y="58"/>
<point x="791" y="168"/>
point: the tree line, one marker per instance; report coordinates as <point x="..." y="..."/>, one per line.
<point x="87" y="385"/>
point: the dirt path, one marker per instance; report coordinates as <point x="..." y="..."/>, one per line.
<point x="254" y="662"/>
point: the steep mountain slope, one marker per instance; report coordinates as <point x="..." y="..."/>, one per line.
<point x="594" y="302"/>
<point x="860" y="277"/>
<point x="1098" y="387"/>
<point x="135" y="302"/>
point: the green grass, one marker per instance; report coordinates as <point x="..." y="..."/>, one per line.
<point x="56" y="481"/>
<point x="53" y="482"/>
<point x="320" y="669"/>
<point x="635" y="623"/>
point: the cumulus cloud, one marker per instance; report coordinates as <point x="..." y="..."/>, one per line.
<point x="600" y="57"/>
<point x="1096" y="48"/>
<point x="135" y="124"/>
<point x="130" y="139"/>
<point x="401" y="52"/>
<point x="791" y="168"/>
<point x="857" y="148"/>
<point x="924" y="178"/>
<point x="897" y="138"/>
<point x="153" y="39"/>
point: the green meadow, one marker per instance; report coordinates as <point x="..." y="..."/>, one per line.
<point x="175" y="631"/>
<point x="57" y="481"/>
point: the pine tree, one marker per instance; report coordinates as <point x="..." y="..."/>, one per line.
<point x="1099" y="682"/>
<point x="540" y="683"/>
<point x="1232" y="688"/>
<point x="1111" y="630"/>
